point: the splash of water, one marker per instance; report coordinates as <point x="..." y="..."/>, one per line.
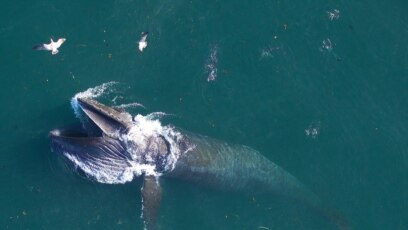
<point x="93" y="92"/>
<point x="136" y="140"/>
<point x="334" y="14"/>
<point x="145" y="128"/>
<point x="211" y="64"/>
<point x="326" y="45"/>
<point x="157" y="115"/>
<point x="130" y="106"/>
<point x="313" y="130"/>
<point x="105" y="175"/>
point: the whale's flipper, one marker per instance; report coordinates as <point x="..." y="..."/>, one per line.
<point x="151" y="197"/>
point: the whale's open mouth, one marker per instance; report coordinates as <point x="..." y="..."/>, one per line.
<point x="98" y="153"/>
<point x="112" y="147"/>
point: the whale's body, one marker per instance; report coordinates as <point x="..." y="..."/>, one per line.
<point x="231" y="167"/>
<point x="175" y="154"/>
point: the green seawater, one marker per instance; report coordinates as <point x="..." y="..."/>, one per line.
<point x="326" y="99"/>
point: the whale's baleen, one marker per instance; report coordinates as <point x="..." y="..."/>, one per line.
<point x="52" y="46"/>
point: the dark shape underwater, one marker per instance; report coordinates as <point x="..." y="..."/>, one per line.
<point x="198" y="159"/>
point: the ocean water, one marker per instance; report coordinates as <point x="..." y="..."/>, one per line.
<point x="320" y="88"/>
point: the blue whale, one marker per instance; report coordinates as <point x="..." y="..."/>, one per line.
<point x="120" y="147"/>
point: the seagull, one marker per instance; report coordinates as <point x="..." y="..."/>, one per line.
<point x="142" y="41"/>
<point x="53" y="46"/>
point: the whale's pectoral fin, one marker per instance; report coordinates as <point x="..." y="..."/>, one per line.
<point x="151" y="197"/>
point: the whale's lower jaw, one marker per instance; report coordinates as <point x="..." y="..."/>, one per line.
<point x="101" y="159"/>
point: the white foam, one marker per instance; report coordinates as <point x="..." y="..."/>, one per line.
<point x="140" y="132"/>
<point x="157" y="115"/>
<point x="334" y="14"/>
<point x="143" y="130"/>
<point x="146" y="169"/>
<point x="102" y="174"/>
<point x="270" y="51"/>
<point x="211" y="64"/>
<point x="136" y="140"/>
<point x="326" y="45"/>
<point x="313" y="130"/>
<point x="94" y="92"/>
<point x="147" y="126"/>
<point x="129" y="106"/>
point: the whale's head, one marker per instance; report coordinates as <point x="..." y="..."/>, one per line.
<point x="113" y="147"/>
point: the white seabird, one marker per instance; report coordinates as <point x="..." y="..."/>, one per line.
<point x="53" y="46"/>
<point x="143" y="41"/>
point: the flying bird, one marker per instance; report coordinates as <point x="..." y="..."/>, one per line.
<point x="53" y="46"/>
<point x="143" y="41"/>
